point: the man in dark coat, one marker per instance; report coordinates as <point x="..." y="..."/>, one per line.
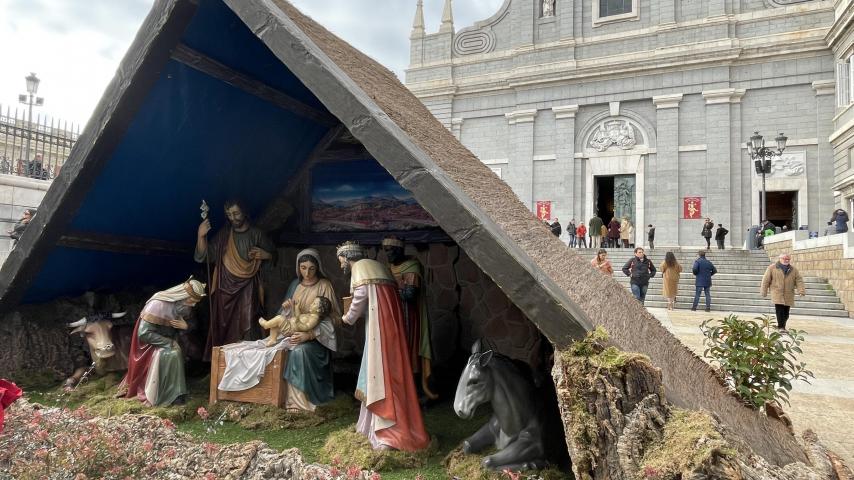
<point x="650" y="236"/>
<point x="703" y="271"/>
<point x="720" y="236"/>
<point x="556" y="228"/>
<point x="570" y="230"/>
<point x="640" y="269"/>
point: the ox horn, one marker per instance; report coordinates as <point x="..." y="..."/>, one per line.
<point x="78" y="323"/>
<point x="119" y="315"/>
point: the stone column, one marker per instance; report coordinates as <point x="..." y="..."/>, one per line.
<point x="720" y="195"/>
<point x="663" y="210"/>
<point x="565" y="159"/>
<point x="825" y="109"/>
<point x="520" y="175"/>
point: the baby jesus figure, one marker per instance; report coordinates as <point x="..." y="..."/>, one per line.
<point x="291" y="320"/>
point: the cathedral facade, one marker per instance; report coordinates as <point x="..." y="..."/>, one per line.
<point x="641" y="109"/>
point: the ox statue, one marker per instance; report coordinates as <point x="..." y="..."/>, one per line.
<point x="516" y="426"/>
<point x="108" y="338"/>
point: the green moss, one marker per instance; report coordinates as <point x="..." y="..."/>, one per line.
<point x="269" y="417"/>
<point x="36" y="380"/>
<point x="346" y="447"/>
<point x="468" y="466"/>
<point x="690" y="439"/>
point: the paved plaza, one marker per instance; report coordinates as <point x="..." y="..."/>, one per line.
<point x="826" y="406"/>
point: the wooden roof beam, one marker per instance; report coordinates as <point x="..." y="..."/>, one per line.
<point x="201" y="62"/>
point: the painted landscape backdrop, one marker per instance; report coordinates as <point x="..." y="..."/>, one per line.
<point x="361" y="196"/>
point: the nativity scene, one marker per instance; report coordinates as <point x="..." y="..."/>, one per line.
<point x="358" y="277"/>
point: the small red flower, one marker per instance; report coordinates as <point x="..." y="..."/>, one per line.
<point x="375" y="476"/>
<point x="353" y="472"/>
<point x="209" y="476"/>
<point x="168" y="424"/>
<point x="336" y="461"/>
<point x="203" y="413"/>
<point x="148" y="445"/>
<point x="334" y="472"/>
<point x="41" y="453"/>
<point x="511" y="474"/>
<point x="210" y="448"/>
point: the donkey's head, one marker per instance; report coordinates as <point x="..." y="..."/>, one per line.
<point x="476" y="383"/>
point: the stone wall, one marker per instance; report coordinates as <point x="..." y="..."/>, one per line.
<point x="830" y="257"/>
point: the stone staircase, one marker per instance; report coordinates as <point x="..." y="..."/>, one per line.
<point x="735" y="287"/>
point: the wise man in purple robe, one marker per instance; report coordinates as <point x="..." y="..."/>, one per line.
<point x="238" y="252"/>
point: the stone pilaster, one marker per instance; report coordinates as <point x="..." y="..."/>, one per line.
<point x="719" y="191"/>
<point x="521" y="166"/>
<point x="664" y="211"/>
<point x="825" y="99"/>
<point x="523" y="13"/>
<point x="565" y="161"/>
<point x="456" y="127"/>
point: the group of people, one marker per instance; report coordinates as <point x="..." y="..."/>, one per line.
<point x="389" y="297"/>
<point x="614" y="234"/>
<point x="720" y="234"/>
<point x="781" y="279"/>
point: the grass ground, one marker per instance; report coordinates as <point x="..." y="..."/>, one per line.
<point x="279" y="430"/>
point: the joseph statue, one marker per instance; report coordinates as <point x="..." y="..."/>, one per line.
<point x="238" y="252"/>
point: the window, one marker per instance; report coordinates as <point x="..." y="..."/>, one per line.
<point x="843" y="83"/>
<point x="609" y="8"/>
<point x="606" y="11"/>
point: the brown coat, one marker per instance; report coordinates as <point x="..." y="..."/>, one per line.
<point x="670" y="276"/>
<point x="782" y="286"/>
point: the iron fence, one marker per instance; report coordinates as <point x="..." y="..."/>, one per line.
<point x="35" y="148"/>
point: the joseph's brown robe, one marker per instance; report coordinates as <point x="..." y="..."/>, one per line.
<point x="236" y="290"/>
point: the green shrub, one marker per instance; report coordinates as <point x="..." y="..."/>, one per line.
<point x="758" y="362"/>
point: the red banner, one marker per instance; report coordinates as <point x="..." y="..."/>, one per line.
<point x="544" y="210"/>
<point x="692" y="208"/>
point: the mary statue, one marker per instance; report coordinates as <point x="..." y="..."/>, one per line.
<point x="309" y="366"/>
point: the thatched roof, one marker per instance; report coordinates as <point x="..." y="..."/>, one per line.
<point x="555" y="288"/>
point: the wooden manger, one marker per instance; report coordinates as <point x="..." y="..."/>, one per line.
<point x="272" y="390"/>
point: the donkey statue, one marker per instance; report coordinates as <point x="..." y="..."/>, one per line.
<point x="516" y="426"/>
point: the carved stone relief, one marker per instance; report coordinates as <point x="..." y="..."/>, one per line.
<point x="613" y="133"/>
<point x="790" y="164"/>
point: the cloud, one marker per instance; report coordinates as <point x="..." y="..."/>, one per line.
<point x="75" y="46"/>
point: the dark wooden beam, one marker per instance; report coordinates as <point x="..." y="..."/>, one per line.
<point x="303" y="175"/>
<point x="119" y="244"/>
<point x="252" y="86"/>
<point x="346" y="153"/>
<point x="364" y="238"/>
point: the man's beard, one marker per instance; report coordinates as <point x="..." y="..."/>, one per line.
<point x="346" y="268"/>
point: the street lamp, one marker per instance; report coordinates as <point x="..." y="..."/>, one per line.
<point x="30" y="99"/>
<point x="761" y="156"/>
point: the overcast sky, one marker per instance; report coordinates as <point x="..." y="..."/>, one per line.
<point x="74" y="46"/>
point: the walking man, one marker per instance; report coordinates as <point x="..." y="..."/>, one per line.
<point x="703" y="271"/>
<point x="595" y="227"/>
<point x="782" y="278"/>
<point x="720" y="235"/>
<point x="640" y="269"/>
<point x="650" y="236"/>
<point x="570" y="229"/>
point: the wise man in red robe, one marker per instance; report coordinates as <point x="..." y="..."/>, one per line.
<point x="238" y="251"/>
<point x="390" y="416"/>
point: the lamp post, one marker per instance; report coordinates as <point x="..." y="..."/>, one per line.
<point x="761" y="156"/>
<point x="30" y="99"/>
